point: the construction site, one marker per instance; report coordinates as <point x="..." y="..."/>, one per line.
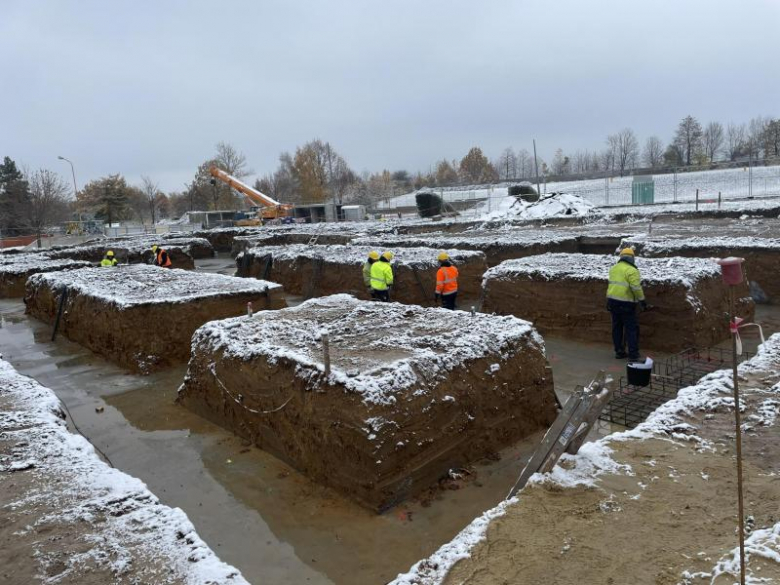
<point x="254" y="414"/>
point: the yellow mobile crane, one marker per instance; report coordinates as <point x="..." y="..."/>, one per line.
<point x="263" y="205"/>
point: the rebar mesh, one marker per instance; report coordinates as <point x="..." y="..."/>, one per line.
<point x="631" y="405"/>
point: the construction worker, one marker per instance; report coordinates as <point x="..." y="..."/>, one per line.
<point x="161" y="257"/>
<point x="382" y="277"/>
<point x="373" y="256"/>
<point x="109" y="260"/>
<point x="446" y="282"/>
<point x="624" y="293"/>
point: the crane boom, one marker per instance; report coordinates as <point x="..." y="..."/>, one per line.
<point x="255" y="196"/>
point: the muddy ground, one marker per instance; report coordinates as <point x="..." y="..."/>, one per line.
<point x="254" y="511"/>
<point x="675" y="513"/>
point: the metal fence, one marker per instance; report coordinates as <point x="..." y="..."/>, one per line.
<point x="724" y="180"/>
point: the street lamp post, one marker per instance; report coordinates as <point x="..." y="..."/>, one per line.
<point x="75" y="188"/>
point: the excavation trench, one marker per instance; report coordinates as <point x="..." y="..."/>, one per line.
<point x="257" y="513"/>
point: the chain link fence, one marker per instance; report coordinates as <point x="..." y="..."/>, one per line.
<point x="720" y="180"/>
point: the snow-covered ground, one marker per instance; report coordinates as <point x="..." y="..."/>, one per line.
<point x="422" y="347"/>
<point x="670" y="422"/>
<point x="103" y="520"/>
<point x="736" y="183"/>
<point x="140" y="284"/>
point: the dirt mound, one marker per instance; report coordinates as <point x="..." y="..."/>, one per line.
<point x="324" y="270"/>
<point x="498" y="245"/>
<point x="15" y="269"/>
<point x="143" y="317"/>
<point x="67" y="517"/>
<point x="689" y="300"/>
<point x="762" y="255"/>
<point x="666" y="490"/>
<point x="412" y="392"/>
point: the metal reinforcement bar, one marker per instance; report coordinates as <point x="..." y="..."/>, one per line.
<point x="60" y="309"/>
<point x="631" y="405"/>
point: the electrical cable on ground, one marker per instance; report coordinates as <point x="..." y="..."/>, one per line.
<point x="213" y="371"/>
<point x="78" y="430"/>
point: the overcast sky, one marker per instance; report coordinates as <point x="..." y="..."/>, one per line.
<point x="148" y="88"/>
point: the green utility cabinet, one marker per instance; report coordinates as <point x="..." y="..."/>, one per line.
<point x="642" y="190"/>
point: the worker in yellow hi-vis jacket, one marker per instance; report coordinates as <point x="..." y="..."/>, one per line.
<point x="624" y="294"/>
<point x="382" y="277"/>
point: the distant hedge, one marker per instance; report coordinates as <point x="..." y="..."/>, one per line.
<point x="524" y="192"/>
<point x="429" y="204"/>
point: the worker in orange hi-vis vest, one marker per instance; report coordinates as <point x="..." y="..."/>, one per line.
<point x="446" y="282"/>
<point x="161" y="257"/>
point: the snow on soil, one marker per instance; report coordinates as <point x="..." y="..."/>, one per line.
<point x="656" y="244"/>
<point x="140" y="284"/>
<point x="679" y="271"/>
<point x="125" y="523"/>
<point x="418" y="257"/>
<point x="739" y="205"/>
<point x="23" y="263"/>
<point x="548" y="206"/>
<point x="472" y="240"/>
<point x="592" y="460"/>
<point x="135" y="244"/>
<point x="414" y="346"/>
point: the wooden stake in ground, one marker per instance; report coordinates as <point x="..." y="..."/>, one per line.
<point x="732" y="275"/>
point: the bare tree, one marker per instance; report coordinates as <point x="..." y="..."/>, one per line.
<point x="625" y="149"/>
<point x="735" y="141"/>
<point x="231" y="160"/>
<point x="560" y="163"/>
<point x="607" y="158"/>
<point x="151" y="193"/>
<point x="47" y="202"/>
<point x="772" y="138"/>
<point x="524" y="164"/>
<point x="754" y="140"/>
<point x="653" y="155"/>
<point x="506" y="165"/>
<point x="712" y="140"/>
<point x="688" y="138"/>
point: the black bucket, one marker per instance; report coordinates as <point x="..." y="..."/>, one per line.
<point x="638" y="374"/>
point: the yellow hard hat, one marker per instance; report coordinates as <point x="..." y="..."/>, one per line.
<point x="110" y="253"/>
<point x="388" y="255"/>
<point x="374" y="255"/>
<point x="443" y="256"/>
<point x="154" y="247"/>
<point x="627" y="252"/>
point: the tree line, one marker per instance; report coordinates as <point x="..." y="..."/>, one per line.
<point x="316" y="172"/>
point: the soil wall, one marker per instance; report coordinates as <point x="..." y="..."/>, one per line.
<point x="300" y="276"/>
<point x="140" y="337"/>
<point x="319" y="427"/>
<point x="577" y="309"/>
<point x="762" y="265"/>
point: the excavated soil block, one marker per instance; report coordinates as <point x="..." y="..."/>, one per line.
<point x="143" y="317"/>
<point x="244" y="243"/>
<point x="762" y="255"/>
<point x="565" y="295"/>
<point x="324" y="270"/>
<point x="497" y="246"/>
<point x="136" y="250"/>
<point x="15" y="269"/>
<point x="412" y="392"/>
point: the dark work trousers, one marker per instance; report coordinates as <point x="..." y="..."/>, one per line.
<point x="625" y="327"/>
<point x="382" y="295"/>
<point x="448" y="301"/>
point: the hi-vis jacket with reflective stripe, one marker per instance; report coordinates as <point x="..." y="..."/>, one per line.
<point x="109" y="262"/>
<point x="381" y="275"/>
<point x="367" y="273"/>
<point x="447" y="280"/>
<point x="625" y="283"/>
